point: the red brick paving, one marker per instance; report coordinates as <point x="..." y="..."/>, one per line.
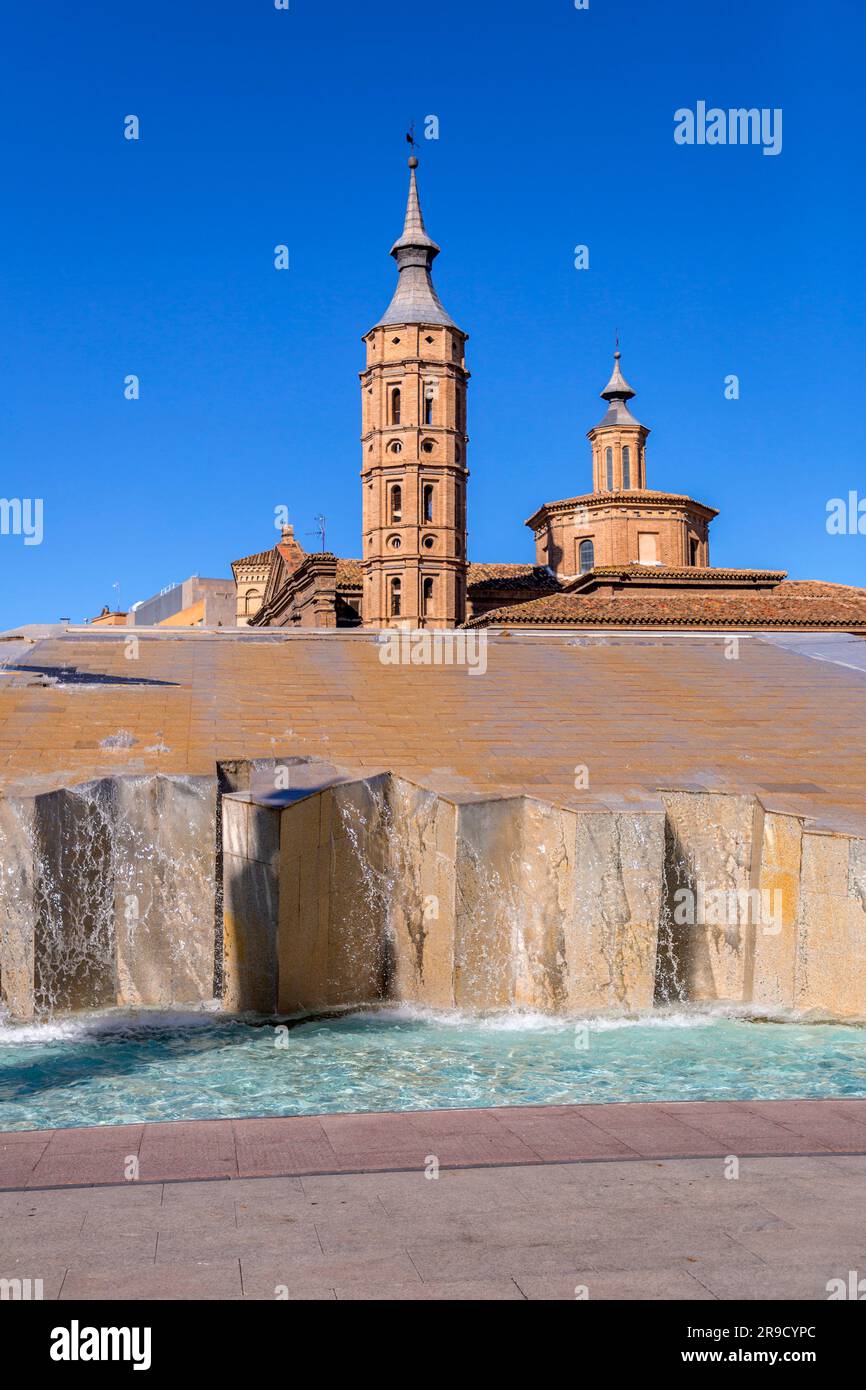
<point x="396" y="1142"/>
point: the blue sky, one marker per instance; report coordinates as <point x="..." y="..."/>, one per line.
<point x="261" y="127"/>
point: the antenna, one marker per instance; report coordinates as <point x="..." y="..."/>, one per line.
<point x="319" y="530"/>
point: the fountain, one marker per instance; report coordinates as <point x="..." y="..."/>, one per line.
<point x="290" y="886"/>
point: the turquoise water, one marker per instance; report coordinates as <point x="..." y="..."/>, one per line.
<point x="111" y="1069"/>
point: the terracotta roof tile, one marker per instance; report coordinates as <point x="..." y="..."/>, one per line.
<point x="515" y="576"/>
<point x="792" y="604"/>
<point x="350" y="574"/>
<point x="261" y="558"/>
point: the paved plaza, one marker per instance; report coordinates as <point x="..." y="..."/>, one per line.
<point x="534" y="1203"/>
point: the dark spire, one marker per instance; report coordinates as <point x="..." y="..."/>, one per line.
<point x="616" y="393"/>
<point x="617" y="388"/>
<point x="415" y="300"/>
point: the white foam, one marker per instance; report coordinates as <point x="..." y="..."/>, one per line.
<point x="106" y="1024"/>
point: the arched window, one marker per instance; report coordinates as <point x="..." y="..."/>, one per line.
<point x="429" y="396"/>
<point x="586" y="556"/>
<point x="395" y="598"/>
<point x="253" y="601"/>
<point x="626" y="466"/>
<point x="396" y="504"/>
<point x="427" y="512"/>
<point x="608" y="463"/>
<point x="395" y="406"/>
<point x="427" y="597"/>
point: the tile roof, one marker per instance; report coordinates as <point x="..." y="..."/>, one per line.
<point x="350" y="574"/>
<point x="515" y="576"/>
<point x="261" y="558"/>
<point x="637" y="576"/>
<point x="791" y="604"/>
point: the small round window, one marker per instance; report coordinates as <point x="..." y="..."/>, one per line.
<point x="395" y="446"/>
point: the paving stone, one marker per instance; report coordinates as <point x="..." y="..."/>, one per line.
<point x="647" y="1228"/>
<point x="467" y="1290"/>
<point x="801" y="1281"/>
<point x="262" y="1277"/>
<point x="185" y="1244"/>
<point x="657" y="1285"/>
<point x="203" y="1280"/>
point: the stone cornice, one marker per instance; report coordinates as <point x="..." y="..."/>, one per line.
<point x="631" y="499"/>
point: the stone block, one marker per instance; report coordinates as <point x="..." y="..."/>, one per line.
<point x="831" y="944"/>
<point x="777" y="932"/>
<point x="707" y="932"/>
<point x="17" y="905"/>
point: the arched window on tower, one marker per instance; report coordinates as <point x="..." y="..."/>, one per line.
<point x="395" y="406"/>
<point x="396" y="510"/>
<point x="427" y="511"/>
<point x="608" y="466"/>
<point x="626" y="466"/>
<point x="395" y="587"/>
<point x="429" y="397"/>
<point x="586" y="556"/>
<point x="427" y="597"/>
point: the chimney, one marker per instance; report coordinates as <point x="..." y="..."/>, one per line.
<point x="292" y="553"/>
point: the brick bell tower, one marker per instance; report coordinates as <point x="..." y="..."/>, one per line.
<point x="414" y="440"/>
